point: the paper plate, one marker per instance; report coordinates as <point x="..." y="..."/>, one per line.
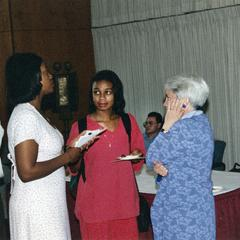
<point x="130" y="158"/>
<point x="89" y="135"/>
<point x="216" y="189"/>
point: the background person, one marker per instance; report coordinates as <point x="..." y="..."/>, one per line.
<point x="37" y="208"/>
<point x="152" y="127"/>
<point x="184" y="206"/>
<point x="107" y="203"/>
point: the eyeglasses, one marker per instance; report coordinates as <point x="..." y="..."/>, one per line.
<point x="149" y="123"/>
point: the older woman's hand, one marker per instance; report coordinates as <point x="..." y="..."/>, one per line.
<point x="160" y="169"/>
<point x="175" y="109"/>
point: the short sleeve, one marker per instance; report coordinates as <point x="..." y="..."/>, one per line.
<point x="26" y="128"/>
<point x="137" y="141"/>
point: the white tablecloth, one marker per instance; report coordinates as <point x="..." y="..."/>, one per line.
<point x="223" y="181"/>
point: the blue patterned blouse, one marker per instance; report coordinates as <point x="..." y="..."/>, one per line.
<point x="183" y="208"/>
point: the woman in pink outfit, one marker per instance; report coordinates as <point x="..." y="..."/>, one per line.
<point x="107" y="203"/>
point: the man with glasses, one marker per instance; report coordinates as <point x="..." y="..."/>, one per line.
<point x="152" y="127"/>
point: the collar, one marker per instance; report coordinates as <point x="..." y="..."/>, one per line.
<point x="146" y="136"/>
<point x="192" y="113"/>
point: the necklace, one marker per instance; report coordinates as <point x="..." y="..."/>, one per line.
<point x="108" y="139"/>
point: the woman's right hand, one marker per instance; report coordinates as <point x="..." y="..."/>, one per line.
<point x="85" y="146"/>
<point x="174" y="112"/>
<point x="73" y="154"/>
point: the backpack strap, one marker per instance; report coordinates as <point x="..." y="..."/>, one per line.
<point x="82" y="125"/>
<point x="127" y="125"/>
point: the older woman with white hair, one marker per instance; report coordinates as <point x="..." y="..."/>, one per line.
<point x="183" y="208"/>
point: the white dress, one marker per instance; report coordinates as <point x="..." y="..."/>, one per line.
<point x="37" y="209"/>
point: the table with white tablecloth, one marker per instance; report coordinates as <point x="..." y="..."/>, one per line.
<point x="226" y="193"/>
<point x="223" y="181"/>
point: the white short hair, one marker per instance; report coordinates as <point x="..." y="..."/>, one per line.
<point x="189" y="86"/>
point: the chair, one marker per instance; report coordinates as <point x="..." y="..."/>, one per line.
<point x="236" y="168"/>
<point x="219" y="148"/>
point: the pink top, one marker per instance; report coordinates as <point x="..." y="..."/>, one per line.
<point x="110" y="189"/>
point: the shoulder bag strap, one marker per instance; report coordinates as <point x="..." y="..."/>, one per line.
<point x="82" y="125"/>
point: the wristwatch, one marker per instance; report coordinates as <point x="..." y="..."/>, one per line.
<point x="163" y="130"/>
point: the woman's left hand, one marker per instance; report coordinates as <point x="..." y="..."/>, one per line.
<point x="160" y="169"/>
<point x="136" y="152"/>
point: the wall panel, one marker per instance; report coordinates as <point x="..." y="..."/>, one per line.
<point x="5" y="51"/>
<point x="58" y="31"/>
<point x="45" y="14"/>
<point x="4" y="16"/>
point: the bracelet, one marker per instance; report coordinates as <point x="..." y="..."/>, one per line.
<point x="72" y="173"/>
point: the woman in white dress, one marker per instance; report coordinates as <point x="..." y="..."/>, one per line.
<point x="37" y="205"/>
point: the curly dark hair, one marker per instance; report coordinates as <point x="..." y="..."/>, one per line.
<point x="110" y="76"/>
<point x="23" y="76"/>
